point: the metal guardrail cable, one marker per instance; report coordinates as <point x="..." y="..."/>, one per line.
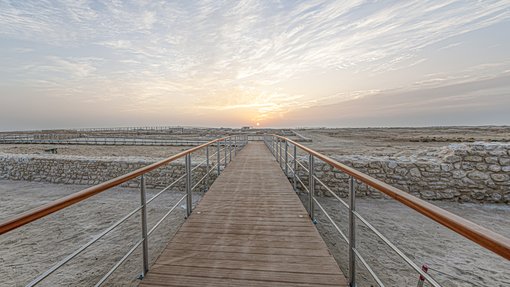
<point x="398" y="251"/>
<point x="372" y="273"/>
<point x="165" y="216"/>
<point x="331" y="191"/>
<point x="81" y="249"/>
<point x="487" y="238"/>
<point x="302" y="184"/>
<point x="117" y="265"/>
<point x="331" y="220"/>
<point x="166" y="188"/>
<point x="305" y="168"/>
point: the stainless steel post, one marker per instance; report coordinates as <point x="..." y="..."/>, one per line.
<point x="352" y="234"/>
<point x="189" y="199"/>
<point x="145" y="244"/>
<point x="286" y="159"/>
<point x="207" y="167"/>
<point x="229" y="149"/>
<point x="218" y="157"/>
<point x="311" y="187"/>
<point x="277" y="156"/>
<point x="294" y="175"/>
<point x="226" y="150"/>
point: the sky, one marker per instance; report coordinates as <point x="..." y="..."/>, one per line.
<point x="351" y="63"/>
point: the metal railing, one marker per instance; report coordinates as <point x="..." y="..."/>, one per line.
<point x="227" y="146"/>
<point x="279" y="147"/>
<point x="100" y="141"/>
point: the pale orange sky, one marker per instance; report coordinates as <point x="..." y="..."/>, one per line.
<point x="277" y="63"/>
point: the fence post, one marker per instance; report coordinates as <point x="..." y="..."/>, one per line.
<point x="218" y="157"/>
<point x="352" y="233"/>
<point x="295" y="169"/>
<point x="311" y="187"/>
<point x="229" y="149"/>
<point x="207" y="167"/>
<point x="189" y="199"/>
<point x="225" y="144"/>
<point x="235" y="146"/>
<point x="145" y="244"/>
<point x="276" y="150"/>
<point x="286" y="159"/>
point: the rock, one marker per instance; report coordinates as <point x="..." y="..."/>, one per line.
<point x="494" y="168"/>
<point x="415" y="172"/>
<point x="473" y="158"/>
<point x="504" y="161"/>
<point x="458" y="173"/>
<point x="505" y="168"/>
<point x="499" y="177"/>
<point x="477" y="175"/>
<point x="392" y="164"/>
<point x="446" y="167"/>
<point x="452" y="159"/>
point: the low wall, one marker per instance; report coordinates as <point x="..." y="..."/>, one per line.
<point x="90" y="171"/>
<point x="475" y="172"/>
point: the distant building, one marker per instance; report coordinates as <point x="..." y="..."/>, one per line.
<point x="245" y="128"/>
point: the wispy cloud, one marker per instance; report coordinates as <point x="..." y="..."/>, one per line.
<point x="210" y="55"/>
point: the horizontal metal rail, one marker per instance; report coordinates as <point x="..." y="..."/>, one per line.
<point x="331" y="220"/>
<point x="59" y="204"/>
<point x="39" y="212"/>
<point x="474" y="232"/>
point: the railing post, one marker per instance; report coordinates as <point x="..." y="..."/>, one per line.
<point x="311" y="187"/>
<point x="235" y="146"/>
<point x="286" y="159"/>
<point x="218" y="157"/>
<point x="145" y="244"/>
<point x="277" y="156"/>
<point x="229" y="149"/>
<point x="225" y="148"/>
<point x="207" y="167"/>
<point x="352" y="233"/>
<point x="189" y="199"/>
<point x="294" y="175"/>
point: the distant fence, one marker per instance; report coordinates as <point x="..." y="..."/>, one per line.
<point x="100" y="141"/>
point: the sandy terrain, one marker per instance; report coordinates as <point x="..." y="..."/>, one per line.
<point x="32" y="249"/>
<point x="397" y="141"/>
<point x="454" y="260"/>
<point x="94" y="150"/>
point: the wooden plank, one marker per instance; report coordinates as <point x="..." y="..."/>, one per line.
<point x="250" y="229"/>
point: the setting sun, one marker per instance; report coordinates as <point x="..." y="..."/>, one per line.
<point x="258" y="124"/>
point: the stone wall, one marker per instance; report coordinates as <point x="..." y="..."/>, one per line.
<point x="90" y="171"/>
<point x="476" y="172"/>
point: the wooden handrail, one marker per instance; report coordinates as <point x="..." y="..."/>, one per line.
<point x="489" y="239"/>
<point x="56" y="205"/>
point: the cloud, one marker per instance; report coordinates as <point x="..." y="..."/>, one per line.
<point x="209" y="55"/>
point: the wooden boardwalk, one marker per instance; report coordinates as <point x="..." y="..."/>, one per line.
<point x="250" y="229"/>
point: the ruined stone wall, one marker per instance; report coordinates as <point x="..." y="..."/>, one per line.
<point x="477" y="172"/>
<point x="91" y="171"/>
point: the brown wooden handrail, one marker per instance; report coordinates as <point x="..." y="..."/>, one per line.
<point x="489" y="239"/>
<point x="56" y="205"/>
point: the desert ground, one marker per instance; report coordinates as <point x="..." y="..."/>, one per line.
<point x="398" y="141"/>
<point x="32" y="249"/>
<point x="453" y="260"/>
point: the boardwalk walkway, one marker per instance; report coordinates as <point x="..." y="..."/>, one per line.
<point x="250" y="229"/>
